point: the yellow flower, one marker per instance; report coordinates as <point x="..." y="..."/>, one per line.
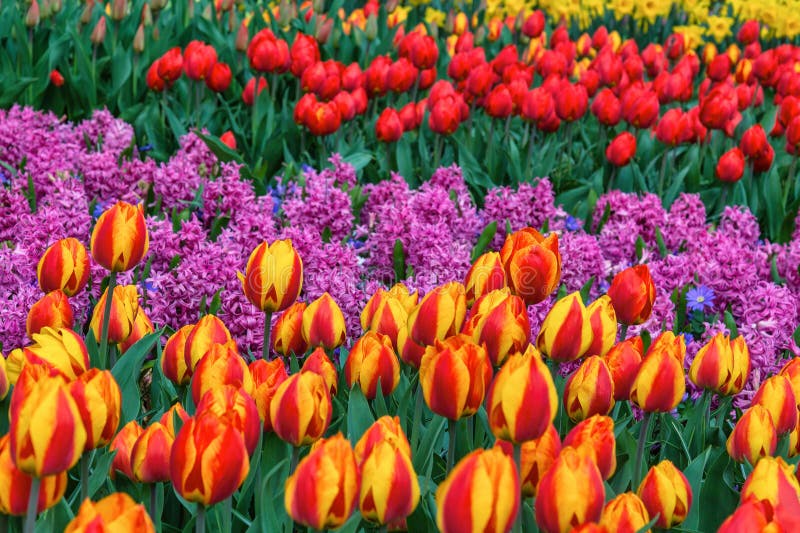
<point x="650" y="10"/>
<point x="719" y="27"/>
<point x="692" y="35"/>
<point x="621" y="8"/>
<point x="434" y="16"/>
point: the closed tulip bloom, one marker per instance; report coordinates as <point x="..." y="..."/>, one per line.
<point x="124" y="307"/>
<point x="384" y="429"/>
<point x="173" y="359"/>
<point x="15" y="485"/>
<point x="753" y="436"/>
<point x="267" y="53"/>
<point x="536" y="457"/>
<point x="304" y="53"/>
<point x="222" y="365"/>
<point x="47" y="434"/>
<point x="322" y="492"/>
<point x="665" y="491"/>
<point x="198" y="60"/>
<point x="484" y="276"/>
<point x="621" y="149"/>
<point x="389" y="485"/>
<point x="772" y="481"/>
<point x="169" y="417"/>
<point x="589" y="390"/>
<point x="594" y="437"/>
<point x="119" y="239"/>
<point x="409" y="351"/>
<point x="751" y="515"/>
<point x="237" y="408"/>
<point x="64" y="265"/>
<point x="208" y="331"/>
<point x="61" y="349"/>
<point x="209" y="460"/>
<point x="499" y="321"/>
<point x="455" y="375"/>
<point x="323" y="323"/>
<point x="571" y="493"/>
<point x="301" y="409"/>
<point x="219" y="77"/>
<point x="287" y="333"/>
<point x="115" y="512"/>
<point x="98" y="399"/>
<point x="52" y="310"/>
<point x="480" y="494"/>
<point x="388" y="128"/>
<point x="607" y="108"/>
<point x="445" y="116"/>
<point x="532" y="263"/>
<point x="603" y="320"/>
<point x="371" y="360"/>
<point x="439" y="315"/>
<point x="498" y="103"/>
<point x="566" y="332"/>
<point x="791" y="371"/>
<point x="170" y="66"/>
<point x="267" y="377"/>
<point x="776" y="395"/>
<point x="571" y="101"/>
<point x="142" y="326"/>
<point x="123" y="444"/>
<point x="273" y="277"/>
<point x="754" y="142"/>
<point x="522" y="401"/>
<point x="155" y="82"/>
<point x="625" y="514"/>
<point x="623" y="360"/>
<point x="713" y="366"/>
<point x="730" y="167"/>
<point x="150" y="454"/>
<point x="253" y="88"/>
<point x="319" y="363"/>
<point x="385" y="314"/>
<point x="632" y="294"/>
<point x="660" y="383"/>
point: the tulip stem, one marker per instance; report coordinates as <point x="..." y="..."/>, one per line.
<point x="295" y="458"/>
<point x="153" y="502"/>
<point x="623" y="332"/>
<point x="451" y="449"/>
<point x="33" y="500"/>
<point x="416" y="427"/>
<point x="112" y="282"/>
<point x="84" y="477"/>
<point x="267" y="333"/>
<point x="200" y="523"/>
<point x="227" y="514"/>
<point x="643" y="434"/>
<point x="518" y="463"/>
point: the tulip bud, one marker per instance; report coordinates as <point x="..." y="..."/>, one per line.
<point x="791" y="371"/>
<point x="142" y="326"/>
<point x="536" y="457"/>
<point x="439" y="315"/>
<point x="389" y="485"/>
<point x="222" y="365"/>
<point x="119" y="239"/>
<point x="753" y="436"/>
<point x="64" y="265"/>
<point x="198" y="60"/>
<point x="33" y="16"/>
<point x="632" y="294"/>
<point x="388" y="127"/>
<point x="115" y="512"/>
<point x="522" y="401"/>
<point x="772" y="481"/>
<point x="714" y="368"/>
<point x="603" y="320"/>
<point x="566" y="332"/>
<point x="665" y="491"/>
<point x="208" y="331"/>
<point x="532" y="263"/>
<point x="486" y="480"/>
<point x="267" y="377"/>
<point x="485" y="275"/>
<point x="123" y="444"/>
<point x="236" y="407"/>
<point x="209" y="460"/>
<point x="170" y="65"/>
<point x="730" y="167"/>
<point x="51" y="311"/>
<point x="150" y="454"/>
<point x="98" y="35"/>
<point x="372" y="360"/>
<point x="322" y="492"/>
<point x="273" y="277"/>
<point x="124" y="308"/>
<point x="119" y="9"/>
<point x="173" y="357"/>
<point x="660" y="383"/>
<point x="61" y="349"/>
<point x="594" y="438"/>
<point x="499" y="321"/>
<point x="98" y="399"/>
<point x="301" y="409"/>
<point x="138" y="39"/>
<point x="384" y="429"/>
<point x="574" y="474"/>
<point x="287" y="334"/>
<point x="323" y="323"/>
<point x="623" y="360"/>
<point x="589" y="390"/>
<point x="15" y="485"/>
<point x="168" y="418"/>
<point x="242" y="38"/>
<point x="751" y="515"/>
<point x="776" y="395"/>
<point x="625" y="514"/>
<point x="385" y="314"/>
<point x="454" y="375"/>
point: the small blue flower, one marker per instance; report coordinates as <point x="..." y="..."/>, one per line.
<point x="276" y="206"/>
<point x="150" y="286"/>
<point x="146" y="148"/>
<point x="688" y="338"/>
<point x="4" y="179"/>
<point x="356" y="244"/>
<point x="572" y="223"/>
<point x="306" y="168"/>
<point x="700" y="298"/>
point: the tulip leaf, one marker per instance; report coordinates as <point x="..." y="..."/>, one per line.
<point x="423" y="455"/>
<point x="694" y="475"/>
<point x="359" y="415"/>
<point x="586" y="289"/>
<point x="640" y="247"/>
<point x="126" y="372"/>
<point x="648" y="527"/>
<point x="102" y="464"/>
<point x="717" y="496"/>
<point x="379" y="404"/>
<point x="730" y="323"/>
<point x="399" y="260"/>
<point x="484" y="239"/>
<point x="662" y="248"/>
<point x="223" y="152"/>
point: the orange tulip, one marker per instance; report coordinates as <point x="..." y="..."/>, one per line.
<point x="61" y="349"/>
<point x="532" y="263"/>
<point x="173" y="357"/>
<point x="625" y="514"/>
<point x="115" y="512"/>
<point x="301" y="409"/>
<point x="776" y="395"/>
<point x="603" y="320"/>
<point x="319" y="363"/>
<point x="594" y="438"/>
<point x="150" y="454"/>
<point x="323" y="323"/>
<point x="791" y="371"/>
<point x="499" y="321"/>
<point x="208" y="331"/>
<point x="439" y="315"/>
<point x="624" y="360"/>
<point x="287" y="333"/>
<point x="119" y="239"/>
<point x="389" y="485"/>
<point x="98" y="399"/>
<point x="385" y="314"/>
<point x="666" y="492"/>
<point x="632" y="294"/>
<point x="123" y="444"/>
<point x="15" y="485"/>
<point x="124" y="307"/>
<point x="484" y="276"/>
<point x="237" y="408"/>
<point x="142" y="326"/>
<point x="536" y="457"/>
<point x="589" y="390"/>
<point x="384" y="429"/>
<point x="273" y="277"/>
<point x="52" y="310"/>
<point x="222" y="365"/>
<point x="660" y="383"/>
<point x="65" y="266"/>
<point x="772" y="481"/>
<point x="267" y="377"/>
<point x="168" y="418"/>
<point x="372" y="360"/>
<point x="713" y="367"/>
<point x="566" y="332"/>
<point x="753" y="436"/>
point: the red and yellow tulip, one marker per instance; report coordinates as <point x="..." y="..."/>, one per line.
<point x="151" y="453"/>
<point x="115" y="512"/>
<point x="372" y="359"/>
<point x="566" y="333"/>
<point x="273" y="277"/>
<point x="301" y="409"/>
<point x="589" y="390"/>
<point x="665" y="491"/>
<point x="51" y="311"/>
<point x="15" y="485"/>
<point x="119" y="239"/>
<point x="64" y="266"/>
<point x="267" y="377"/>
<point x="439" y="315"/>
<point x="323" y="323"/>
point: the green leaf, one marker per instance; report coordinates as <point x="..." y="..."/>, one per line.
<point x="424" y="454"/>
<point x="694" y="475"/>
<point x="127" y="371"/>
<point x="100" y="469"/>
<point x="399" y="260"/>
<point x="484" y="239"/>
<point x="587" y="287"/>
<point x="223" y="152"/>
<point x="359" y="415"/>
<point x="730" y="323"/>
<point x="662" y="248"/>
<point x="640" y="247"/>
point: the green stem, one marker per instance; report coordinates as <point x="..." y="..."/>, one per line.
<point x="200" y="523"/>
<point x="706" y="410"/>
<point x="663" y="173"/>
<point x="112" y="282"/>
<point x="416" y="427"/>
<point x="153" y="502"/>
<point x="227" y="514"/>
<point x="451" y="448"/>
<point x="623" y="332"/>
<point x="267" y="333"/>
<point x="518" y="463"/>
<point x="295" y="458"/>
<point x="33" y="500"/>
<point x="84" y="476"/>
<point x="643" y="434"/>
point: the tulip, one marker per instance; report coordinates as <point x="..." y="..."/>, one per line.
<point x="301" y="409"/>
<point x="776" y="395"/>
<point x="173" y="357"/>
<point x="594" y="438"/>
<point x="142" y="326"/>
<point x="119" y="239"/>
<point x="228" y="139"/>
<point x="589" y="390"/>
<point x="319" y="363"/>
<point x="603" y="320"/>
<point x="388" y="128"/>
<point x="566" y="332"/>
<point x="372" y="360"/>
<point x="485" y="275"/>
<point x="150" y="454"/>
<point x="751" y="515"/>
<point x="47" y="435"/>
<point x="15" y="485"/>
<point x="660" y="383"/>
<point x="498" y="102"/>
<point x="61" y="349"/>
<point x="665" y="491"/>
<point x="714" y="367"/>
<point x="625" y="514"/>
<point x="170" y="65"/>
<point x="123" y="444"/>
<point x="51" y="311"/>
<point x="219" y="78"/>
<point x="454" y="375"/>
<point x="268" y="53"/>
<point x="791" y="371"/>
<point x="64" y="265"/>
<point x="754" y="142"/>
<point x="536" y="458"/>
<point x="322" y="118"/>
<point x="445" y="116"/>
<point x="522" y="401"/>
<point x="389" y="486"/>
<point x="532" y="263"/>
<point x="252" y="89"/>
<point x="155" y="82"/>
<point x="198" y="60"/>
<point x="439" y="315"/>
<point x="772" y="481"/>
<point x="571" y="101"/>
<point x="621" y="149"/>
<point x="304" y="53"/>
<point x="322" y="491"/>
<point x="499" y="321"/>
<point x="208" y="331"/>
<point x="267" y="377"/>
<point x="632" y="294"/>
<point x="623" y="360"/>
<point x="401" y="76"/>
<point x="237" y="408"/>
<point x="115" y="512"/>
<point x="409" y="351"/>
<point x="753" y="436"/>
<point x="385" y="314"/>
<point x="121" y="310"/>
<point x="209" y="460"/>
<point x="607" y="108"/>
<point x="385" y="429"/>
<point x="168" y="418"/>
<point x="730" y="167"/>
<point x="287" y="333"/>
<point x="570" y="493"/>
<point x="673" y="128"/>
<point x="273" y="277"/>
<point x="222" y="365"/>
<point x="98" y="399"/>
<point x="323" y="323"/>
<point x="484" y="480"/>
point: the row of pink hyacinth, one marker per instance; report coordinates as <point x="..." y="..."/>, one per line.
<point x="74" y="170"/>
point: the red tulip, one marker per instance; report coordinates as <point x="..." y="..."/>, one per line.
<point x="622" y="149"/>
<point x="389" y="127"/>
<point x="730" y="167"/>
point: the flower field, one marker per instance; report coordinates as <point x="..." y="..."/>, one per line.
<point x="425" y="266"/>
